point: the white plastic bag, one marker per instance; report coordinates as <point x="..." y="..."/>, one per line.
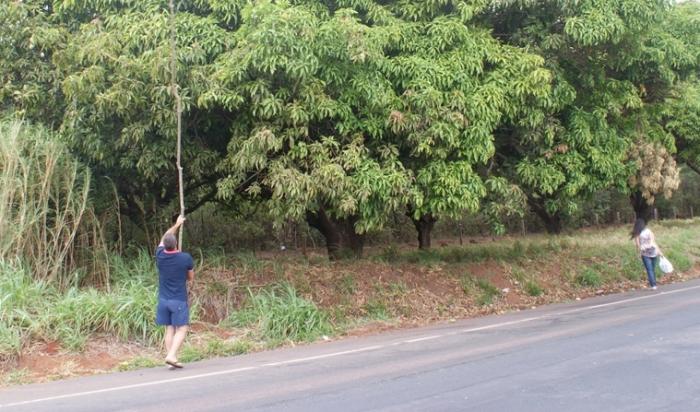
<point x="665" y="265"/>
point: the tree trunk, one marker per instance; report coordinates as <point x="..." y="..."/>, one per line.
<point x="341" y="239"/>
<point x="553" y="222"/>
<point x="424" y="226"/>
<point x="642" y="209"/>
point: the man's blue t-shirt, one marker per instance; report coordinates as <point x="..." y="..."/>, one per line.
<point x="172" y="273"/>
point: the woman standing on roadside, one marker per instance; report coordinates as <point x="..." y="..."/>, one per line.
<point x="650" y="251"/>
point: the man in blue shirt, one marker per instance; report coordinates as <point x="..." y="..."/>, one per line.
<point x="175" y="268"/>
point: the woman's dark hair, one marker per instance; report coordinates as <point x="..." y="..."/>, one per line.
<point x="639" y="225"/>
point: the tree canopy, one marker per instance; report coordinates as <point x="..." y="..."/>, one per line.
<point x="346" y="113"/>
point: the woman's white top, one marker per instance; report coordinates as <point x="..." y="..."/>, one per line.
<point x="647" y="246"/>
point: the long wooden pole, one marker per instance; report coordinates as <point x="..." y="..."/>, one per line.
<point x="178" y="111"/>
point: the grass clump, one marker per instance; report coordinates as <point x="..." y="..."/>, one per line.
<point x="347" y="285"/>
<point x="376" y="309"/>
<point x="467" y="283"/>
<point x="588" y="277"/>
<point x="140" y="362"/>
<point x="488" y="292"/>
<point x="16" y="377"/>
<point x="533" y="289"/>
<point x="215" y="348"/>
<point x="279" y="314"/>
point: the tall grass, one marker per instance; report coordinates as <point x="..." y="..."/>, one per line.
<point x="280" y="314"/>
<point x="45" y="216"/>
<point x="33" y="310"/>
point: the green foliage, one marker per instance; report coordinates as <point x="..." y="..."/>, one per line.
<point x="357" y="109"/>
<point x="29" y="83"/>
<point x="613" y="62"/>
<point x="279" y="315"/>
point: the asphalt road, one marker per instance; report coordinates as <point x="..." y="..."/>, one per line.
<point x="637" y="351"/>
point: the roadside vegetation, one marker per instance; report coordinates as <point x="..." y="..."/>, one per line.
<point x="247" y="302"/>
<point x="344" y="166"/>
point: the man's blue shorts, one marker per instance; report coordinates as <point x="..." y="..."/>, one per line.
<point x="172" y="312"/>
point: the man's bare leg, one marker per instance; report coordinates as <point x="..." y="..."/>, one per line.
<point x="169" y="333"/>
<point x="178" y="339"/>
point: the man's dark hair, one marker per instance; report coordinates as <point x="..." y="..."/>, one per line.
<point x="170" y="242"/>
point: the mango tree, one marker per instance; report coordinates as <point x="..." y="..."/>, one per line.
<point x="118" y="115"/>
<point x="303" y="84"/>
<point x="598" y="52"/>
